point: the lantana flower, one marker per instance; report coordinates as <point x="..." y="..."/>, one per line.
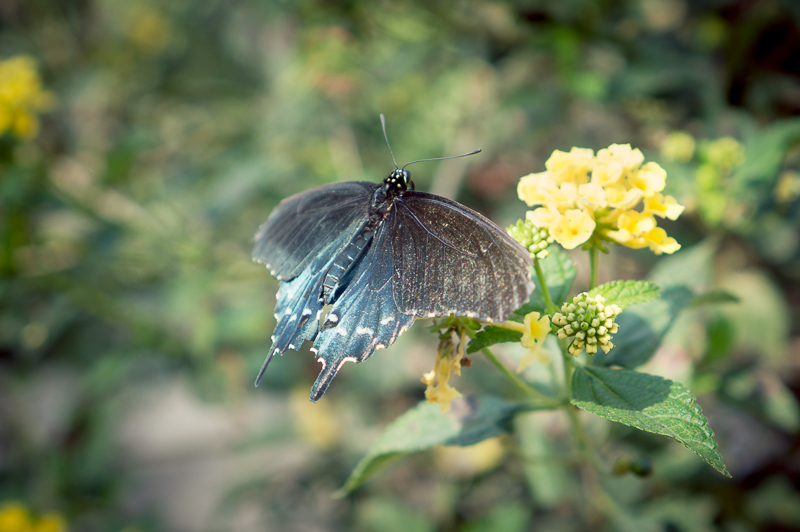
<point x="536" y="329"/>
<point x="611" y="196"/>
<point x="438" y="380"/>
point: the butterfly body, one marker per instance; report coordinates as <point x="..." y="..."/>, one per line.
<point x="380" y="255"/>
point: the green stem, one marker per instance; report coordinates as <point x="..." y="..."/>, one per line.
<point x="601" y="497"/>
<point x="594" y="259"/>
<point x="548" y="299"/>
<point x="519" y="383"/>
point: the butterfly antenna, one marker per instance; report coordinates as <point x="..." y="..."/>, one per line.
<point x="386" y="138"/>
<point x="473" y="152"/>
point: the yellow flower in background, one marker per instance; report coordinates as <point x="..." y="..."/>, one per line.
<point x="50" y="523"/>
<point x="788" y="187"/>
<point x="471" y="460"/>
<point x="678" y="146"/>
<point x="316" y="424"/>
<point x="725" y="153"/>
<point x="148" y="28"/>
<point x="15" y="517"/>
<point x="611" y="196"/>
<point x="22" y="97"/>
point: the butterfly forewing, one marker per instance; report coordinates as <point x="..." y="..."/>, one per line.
<point x="304" y="225"/>
<point x="450" y="259"/>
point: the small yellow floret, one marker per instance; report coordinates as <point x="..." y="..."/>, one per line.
<point x="573" y="228"/>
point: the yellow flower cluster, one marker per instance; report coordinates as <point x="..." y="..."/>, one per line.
<point x="22" y="97"/>
<point x="15" y="517"/>
<point x="584" y="196"/>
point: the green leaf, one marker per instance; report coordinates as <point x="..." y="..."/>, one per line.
<point x="647" y="402"/>
<point x="559" y="273"/>
<point x="512" y="516"/>
<point x="626" y="293"/>
<point x="690" y="267"/>
<point x="643" y="327"/>
<point x="491" y="335"/>
<point x="713" y="297"/>
<point x="764" y="155"/>
<point x="470" y="420"/>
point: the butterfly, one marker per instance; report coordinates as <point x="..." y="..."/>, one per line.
<point x="359" y="262"/>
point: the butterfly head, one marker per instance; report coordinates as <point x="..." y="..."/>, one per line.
<point x="399" y="180"/>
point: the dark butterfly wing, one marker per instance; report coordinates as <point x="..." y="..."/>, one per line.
<point x="304" y="225"/>
<point x="365" y="316"/>
<point x="450" y="259"/>
<point x="429" y="257"/>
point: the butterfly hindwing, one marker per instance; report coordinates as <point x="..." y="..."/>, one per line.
<point x="365" y="317"/>
<point x="450" y="259"/>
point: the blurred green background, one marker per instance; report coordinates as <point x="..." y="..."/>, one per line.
<point x="132" y="321"/>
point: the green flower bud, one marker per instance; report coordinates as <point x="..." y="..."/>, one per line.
<point x="535" y="239"/>
<point x="589" y="322"/>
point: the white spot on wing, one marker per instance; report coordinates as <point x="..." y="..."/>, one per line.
<point x="341" y="332"/>
<point x="306" y="312"/>
<point x="387" y="320"/>
<point x="333" y="318"/>
<point x="345" y="359"/>
<point x="364" y="330"/>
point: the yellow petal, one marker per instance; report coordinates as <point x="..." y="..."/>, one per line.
<point x="542" y="217"/>
<point x="650" y="179"/>
<point x="536" y="189"/>
<point x="537" y="327"/>
<point x="663" y="206"/>
<point x="573" y="228"/>
<point x="592" y="196"/>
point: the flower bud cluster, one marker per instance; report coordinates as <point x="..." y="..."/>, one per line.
<point x="589" y="321"/>
<point x="535" y="239"/>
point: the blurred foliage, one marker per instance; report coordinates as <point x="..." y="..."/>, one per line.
<point x="132" y="321"/>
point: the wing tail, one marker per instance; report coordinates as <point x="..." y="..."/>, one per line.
<point x="270" y="354"/>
